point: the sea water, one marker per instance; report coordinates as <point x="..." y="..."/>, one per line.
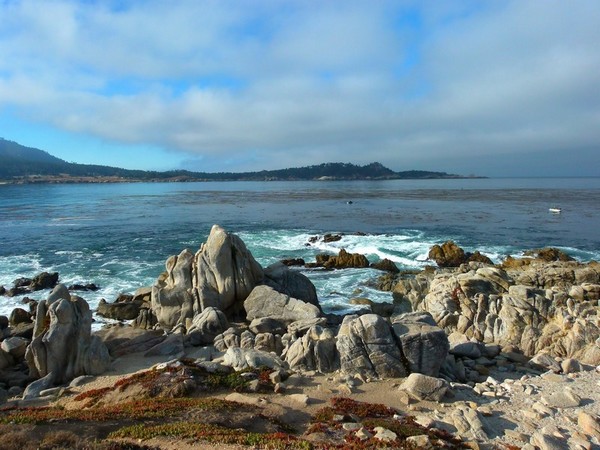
<point x="119" y="236"/>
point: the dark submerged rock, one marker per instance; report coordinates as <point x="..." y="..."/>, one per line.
<point x="18" y="316"/>
<point x="386" y="265"/>
<point x="44" y="280"/>
<point x="84" y="287"/>
<point x="447" y="255"/>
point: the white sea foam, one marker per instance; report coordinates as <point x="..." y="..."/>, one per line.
<point x="120" y="269"/>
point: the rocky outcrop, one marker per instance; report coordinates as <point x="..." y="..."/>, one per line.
<point x="343" y="260"/>
<point x="63" y="346"/>
<point x="386" y="265"/>
<point x="447" y="255"/>
<point x="43" y="280"/>
<point x="538" y="306"/>
<point x="221" y="275"/>
<point x="451" y="255"/>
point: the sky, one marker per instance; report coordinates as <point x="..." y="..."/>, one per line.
<point x="492" y="88"/>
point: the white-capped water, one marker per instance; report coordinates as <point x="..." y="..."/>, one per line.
<point x="119" y="236"/>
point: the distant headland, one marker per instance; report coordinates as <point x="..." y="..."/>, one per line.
<point x="26" y="165"/>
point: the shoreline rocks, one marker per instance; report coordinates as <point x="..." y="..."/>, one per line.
<point x="449" y="330"/>
<point x="63" y="346"/>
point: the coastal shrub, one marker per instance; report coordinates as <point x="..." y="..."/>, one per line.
<point x="135" y="410"/>
<point x="59" y="439"/>
<point x="16" y="437"/>
<point x="211" y="433"/>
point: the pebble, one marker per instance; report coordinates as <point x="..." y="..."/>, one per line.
<point x="422" y="442"/>
<point x="363" y="434"/>
<point x="424" y="421"/>
<point x="350" y="426"/>
<point x="528" y="414"/>
<point x="385" y="435"/>
<point x="404" y="398"/>
<point x="512" y="434"/>
<point x="589" y="424"/>
<point x="547" y="442"/>
<point x="542" y="409"/>
<point x="562" y="399"/>
<point x="344" y="389"/>
<point x="554" y="377"/>
<point x="484" y="410"/>
<point x="301" y="399"/>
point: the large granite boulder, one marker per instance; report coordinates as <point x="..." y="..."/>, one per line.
<point x="225" y="272"/>
<point x="124" y="308"/>
<point x="292" y="283"/>
<point x="124" y="340"/>
<point x="63" y="346"/>
<point x="206" y="326"/>
<point x="242" y="359"/>
<point x="221" y="275"/>
<point x="264" y="301"/>
<point x="316" y="350"/>
<point x="367" y="346"/>
<point x="423" y="344"/>
<point x="173" y="294"/>
<point x="423" y="387"/>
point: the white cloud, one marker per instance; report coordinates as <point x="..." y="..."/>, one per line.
<point x="291" y="83"/>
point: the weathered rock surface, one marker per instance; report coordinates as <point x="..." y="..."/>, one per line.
<point x="123" y="340"/>
<point x="264" y="301"/>
<point x="423" y="387"/>
<point x="124" y="308"/>
<point x="18" y="316"/>
<point x="221" y="275"/>
<point x="367" y="346"/>
<point x="451" y="255"/>
<point x="343" y="260"/>
<point x="39" y="282"/>
<point x="447" y="255"/>
<point x="531" y="307"/>
<point x="291" y="283"/>
<point x="423" y="344"/>
<point x="468" y="423"/>
<point x="386" y="265"/>
<point x="63" y="346"/>
<point x="206" y="326"/>
<point x="316" y="350"/>
<point x="240" y="359"/>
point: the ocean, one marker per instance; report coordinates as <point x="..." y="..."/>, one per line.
<point x="119" y="236"/>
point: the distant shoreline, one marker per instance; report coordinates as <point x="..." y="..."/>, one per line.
<point x="114" y="180"/>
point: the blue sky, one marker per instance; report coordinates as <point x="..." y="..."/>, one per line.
<point x="496" y="88"/>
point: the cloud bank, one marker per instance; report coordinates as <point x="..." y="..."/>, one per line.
<point x="466" y="87"/>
